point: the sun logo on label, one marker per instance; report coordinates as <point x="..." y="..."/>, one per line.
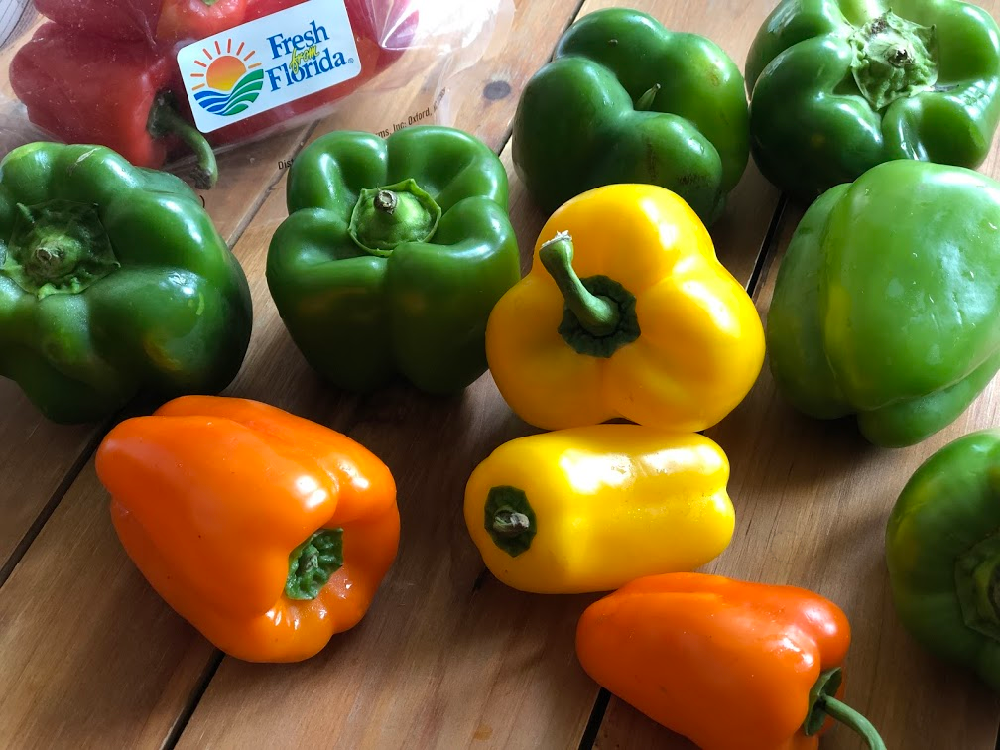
<point x="228" y="83"/>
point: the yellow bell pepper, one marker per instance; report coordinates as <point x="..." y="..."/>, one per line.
<point x="592" y="508"/>
<point x="626" y="312"/>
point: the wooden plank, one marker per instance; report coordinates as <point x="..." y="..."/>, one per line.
<point x="90" y="656"/>
<point x="441" y="661"/>
<point x="474" y="656"/>
<point x="60" y="642"/>
<point x="39" y="458"/>
<point x="812" y="500"/>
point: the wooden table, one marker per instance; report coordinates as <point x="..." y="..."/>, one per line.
<point x="447" y="657"/>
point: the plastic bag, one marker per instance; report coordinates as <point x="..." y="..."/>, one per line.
<point x="158" y="80"/>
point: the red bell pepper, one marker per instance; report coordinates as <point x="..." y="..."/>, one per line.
<point x="375" y="55"/>
<point x="128" y="95"/>
<point x="163" y="21"/>
<point x="109" y="93"/>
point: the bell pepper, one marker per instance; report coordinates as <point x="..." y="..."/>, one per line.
<point x="593" y="508"/>
<point x="113" y="281"/>
<point x="624" y="100"/>
<point x="111" y="93"/>
<point x="626" y="312"/>
<point x="727" y="663"/>
<point x="153" y="21"/>
<point x="267" y="532"/>
<point x="838" y="87"/>
<point x="377" y="50"/>
<point x="393" y="255"/>
<point x="887" y="303"/>
<point x="942" y="547"/>
<point x="129" y="95"/>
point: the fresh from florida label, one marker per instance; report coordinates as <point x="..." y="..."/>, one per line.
<point x="268" y="62"/>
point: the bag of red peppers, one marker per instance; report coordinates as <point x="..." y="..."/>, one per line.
<point x="161" y="80"/>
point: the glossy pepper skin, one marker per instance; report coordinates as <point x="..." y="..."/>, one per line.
<point x="624" y="100"/>
<point x="593" y="508"/>
<point x="267" y="532"/>
<point x="113" y="281"/>
<point x="942" y="548"/>
<point x="681" y="647"/>
<point x="152" y="21"/>
<point x="116" y="94"/>
<point x="887" y="303"/>
<point x="393" y="255"/>
<point x="626" y="312"/>
<point x="840" y="86"/>
<point x="127" y="94"/>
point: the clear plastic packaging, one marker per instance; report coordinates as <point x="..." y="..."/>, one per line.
<point x="157" y="79"/>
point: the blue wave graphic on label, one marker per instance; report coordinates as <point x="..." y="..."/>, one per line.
<point x="244" y="93"/>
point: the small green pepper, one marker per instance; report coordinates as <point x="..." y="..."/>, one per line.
<point x="839" y="86"/>
<point x="627" y="101"/>
<point x="943" y="554"/>
<point x="393" y="256"/>
<point x="887" y="303"/>
<point x="113" y="282"/>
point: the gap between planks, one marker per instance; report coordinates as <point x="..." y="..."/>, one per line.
<point x="602" y="698"/>
<point x="177" y="731"/>
<point x="104" y="427"/>
<point x="191" y="706"/>
<point x="765" y="254"/>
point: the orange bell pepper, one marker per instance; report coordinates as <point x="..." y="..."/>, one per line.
<point x="265" y="531"/>
<point x="729" y="664"/>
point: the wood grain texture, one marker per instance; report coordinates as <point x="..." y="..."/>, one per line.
<point x="438" y="662"/>
<point x="39" y="458"/>
<point x="90" y="656"/>
<point x="151" y="677"/>
<point x="447" y="657"/>
<point x="812" y="499"/>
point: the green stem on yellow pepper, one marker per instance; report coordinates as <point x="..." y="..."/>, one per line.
<point x="598" y="315"/>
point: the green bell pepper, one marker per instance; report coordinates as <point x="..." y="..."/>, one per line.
<point x="943" y="553"/>
<point x="839" y="86"/>
<point x="393" y="255"/>
<point x="887" y="303"/>
<point x="113" y="282"/>
<point x="624" y="100"/>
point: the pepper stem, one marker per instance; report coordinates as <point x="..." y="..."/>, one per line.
<point x="165" y="121"/>
<point x="893" y="58"/>
<point x="392" y="215"/>
<point x="313" y="562"/>
<point x="386" y="200"/>
<point x="646" y="100"/>
<point x="822" y="703"/>
<point x="854" y="720"/>
<point x="509" y="519"/>
<point x="977" y="581"/>
<point x="510" y="523"/>
<point x="599" y="316"/>
<point x="58" y="247"/>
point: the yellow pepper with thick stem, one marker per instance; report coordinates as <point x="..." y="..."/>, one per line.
<point x="592" y="508"/>
<point x="626" y="312"/>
